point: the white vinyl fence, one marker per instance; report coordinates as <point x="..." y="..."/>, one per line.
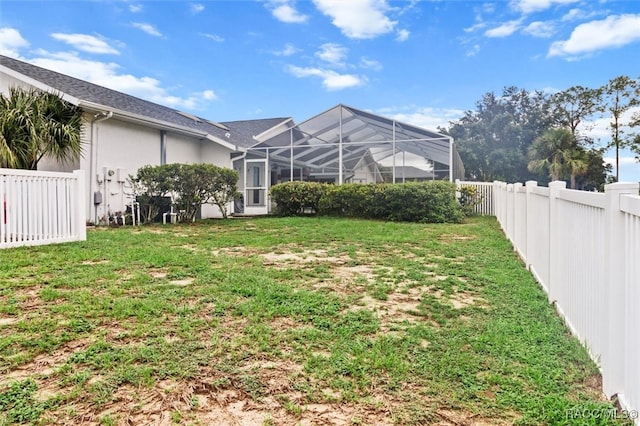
<point x="41" y="207"/>
<point x="484" y="196"/>
<point x="584" y="249"/>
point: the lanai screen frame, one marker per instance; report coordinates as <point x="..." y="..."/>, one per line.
<point x="343" y="133"/>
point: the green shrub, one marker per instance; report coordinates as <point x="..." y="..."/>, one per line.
<point x="190" y="186"/>
<point x="351" y="200"/>
<point x="295" y="198"/>
<point x="433" y="201"/>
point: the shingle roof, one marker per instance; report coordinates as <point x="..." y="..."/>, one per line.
<point x="241" y="132"/>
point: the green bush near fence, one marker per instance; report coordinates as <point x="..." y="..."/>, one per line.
<point x="429" y="202"/>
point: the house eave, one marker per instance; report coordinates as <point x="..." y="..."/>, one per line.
<point x="159" y="124"/>
<point x="39" y="85"/>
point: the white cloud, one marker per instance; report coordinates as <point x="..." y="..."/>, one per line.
<point x="331" y="80"/>
<point x="209" y="95"/>
<point x="86" y="43"/>
<point x="530" y="6"/>
<point x="147" y="28"/>
<point x="289" y="50"/>
<point x="473" y="51"/>
<point x="359" y="19"/>
<point x="488" y="7"/>
<point x="629" y="167"/>
<point x="578" y="14"/>
<point x="11" y="41"/>
<point x="572" y="15"/>
<point x="623" y="161"/>
<point x="403" y="35"/>
<point x="285" y="11"/>
<point x="425" y="117"/>
<point x="333" y="54"/>
<point x="213" y="37"/>
<point x="539" y="29"/>
<point x="370" y="64"/>
<point x="477" y="26"/>
<point x="135" y="8"/>
<point x="600" y="128"/>
<point x="196" y="7"/>
<point x="108" y="74"/>
<point x="550" y="90"/>
<point x="504" y="30"/>
<point x="614" y="31"/>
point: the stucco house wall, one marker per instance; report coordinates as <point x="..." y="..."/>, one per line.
<point x="122" y="142"/>
<point x="184" y="149"/>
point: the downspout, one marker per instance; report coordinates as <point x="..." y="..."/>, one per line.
<point x="163" y="147"/>
<point x="93" y="159"/>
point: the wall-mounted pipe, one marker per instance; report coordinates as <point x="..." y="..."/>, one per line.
<point x="163" y="147"/>
<point x="93" y="152"/>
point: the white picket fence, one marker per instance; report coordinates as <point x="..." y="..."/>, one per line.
<point x="584" y="250"/>
<point x="41" y="207"/>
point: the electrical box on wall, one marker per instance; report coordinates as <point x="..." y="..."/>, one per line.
<point x="121" y="175"/>
<point x="109" y="173"/>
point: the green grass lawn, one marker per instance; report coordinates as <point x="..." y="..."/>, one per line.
<point x="284" y="321"/>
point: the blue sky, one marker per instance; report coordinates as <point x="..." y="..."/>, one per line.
<point x="422" y="62"/>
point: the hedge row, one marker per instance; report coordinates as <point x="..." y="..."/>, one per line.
<point x="433" y="201"/>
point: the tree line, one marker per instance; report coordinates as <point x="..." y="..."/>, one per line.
<point x="522" y="135"/>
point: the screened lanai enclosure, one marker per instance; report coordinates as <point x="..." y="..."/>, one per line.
<point x="344" y="145"/>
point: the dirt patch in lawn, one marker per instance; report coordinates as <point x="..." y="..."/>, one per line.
<point x="463" y="299"/>
<point x="7" y="321"/>
<point x="398" y="309"/>
<point x="46" y="364"/>
<point x="448" y="238"/>
<point x="204" y="401"/>
<point x="182" y="282"/>
<point x="157" y="273"/>
<point x="287" y="259"/>
<point x="95" y="262"/>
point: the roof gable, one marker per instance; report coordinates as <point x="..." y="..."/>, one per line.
<point x="244" y="132"/>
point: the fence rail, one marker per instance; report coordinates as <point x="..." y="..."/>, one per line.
<point x="41" y="207"/>
<point x="584" y="250"/>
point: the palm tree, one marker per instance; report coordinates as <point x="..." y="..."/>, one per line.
<point x="35" y="124"/>
<point x="556" y="152"/>
<point x="577" y="163"/>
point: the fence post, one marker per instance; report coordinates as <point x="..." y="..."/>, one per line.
<point x="519" y="220"/>
<point x="80" y="207"/>
<point x="554" y="231"/>
<point x="497" y="205"/>
<point x="614" y="360"/>
<point x="529" y="185"/>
